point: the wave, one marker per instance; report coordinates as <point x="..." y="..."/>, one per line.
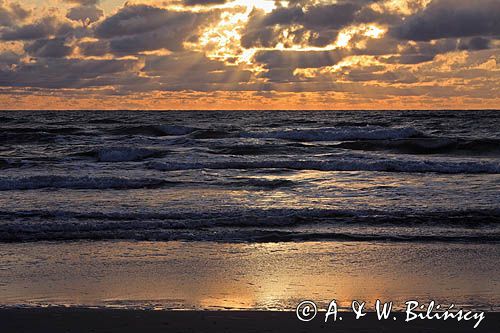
<point x="102" y="183"/>
<point x="153" y="130"/>
<point x="274" y="236"/>
<point x="472" y="147"/>
<point x="344" y="164"/>
<point x="255" y="217"/>
<point x="122" y="154"/>
<point x="49" y="130"/>
<point x="225" y="236"/>
<point x="210" y="134"/>
<point x="251" y="225"/>
<point x="105" y="121"/>
<point x="259" y="183"/>
<point x="7" y="163"/>
<point x="337" y="133"/>
<point x="260" y="149"/>
<point x="19" y="138"/>
<point x="362" y="124"/>
<point x="17" y="135"/>
<point x="6" y="119"/>
<point x="75" y="182"/>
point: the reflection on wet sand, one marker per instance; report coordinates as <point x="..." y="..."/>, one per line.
<point x="247" y="276"/>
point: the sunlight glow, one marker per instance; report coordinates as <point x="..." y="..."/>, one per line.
<point x="266" y="5"/>
<point x="367" y="30"/>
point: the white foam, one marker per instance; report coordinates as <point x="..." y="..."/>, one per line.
<point x="338" y="134"/>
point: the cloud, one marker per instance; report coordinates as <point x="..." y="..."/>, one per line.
<point x="204" y="2"/>
<point x="94" y="48"/>
<point x="85" y="14"/>
<point x="307" y="24"/>
<point x="144" y="28"/>
<point x="52" y="48"/>
<point x="452" y="18"/>
<point x="475" y="43"/>
<point x="330" y="16"/>
<point x="316" y="26"/>
<point x="44" y="27"/>
<point x="298" y="59"/>
<point x="65" y="73"/>
<point x="137" y="19"/>
<point x="9" y="58"/>
<point x="193" y="71"/>
<point x="364" y="49"/>
<point x="11" y="13"/>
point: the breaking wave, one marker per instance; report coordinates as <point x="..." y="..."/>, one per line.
<point x="344" y="164"/>
<point x="246" y="226"/>
<point x="337" y="133"/>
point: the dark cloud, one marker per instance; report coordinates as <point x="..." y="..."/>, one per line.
<point x="298" y="59"/>
<point x="143" y="28"/>
<point x="64" y="73"/>
<point x="171" y="39"/>
<point x="94" y="48"/>
<point x="279" y="75"/>
<point x="381" y="46"/>
<point x="183" y="62"/>
<point x="452" y="18"/>
<point x="377" y="73"/>
<point x="9" y="58"/>
<point x="330" y="16"/>
<point x="137" y="19"/>
<point x="52" y="48"/>
<point x="474" y="44"/>
<point x="85" y="14"/>
<point x="43" y="28"/>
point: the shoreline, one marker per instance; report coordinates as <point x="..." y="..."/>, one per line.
<point x="56" y="320"/>
<point x="272" y="276"/>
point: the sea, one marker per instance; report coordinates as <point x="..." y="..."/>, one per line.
<point x="249" y="209"/>
<point x="250" y="176"/>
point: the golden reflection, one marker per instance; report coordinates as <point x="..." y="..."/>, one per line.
<point x="244" y="276"/>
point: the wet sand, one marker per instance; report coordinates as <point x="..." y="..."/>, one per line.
<point x="91" y="320"/>
<point x="272" y="276"/>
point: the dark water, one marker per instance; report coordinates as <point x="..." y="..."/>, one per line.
<point x="419" y="176"/>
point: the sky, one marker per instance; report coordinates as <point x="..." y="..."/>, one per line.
<point x="254" y="54"/>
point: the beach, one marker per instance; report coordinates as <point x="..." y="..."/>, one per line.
<point x="122" y="286"/>
<point x="99" y="321"/>
<point x="266" y="276"/>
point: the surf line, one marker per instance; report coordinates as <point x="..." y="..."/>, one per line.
<point x="438" y="314"/>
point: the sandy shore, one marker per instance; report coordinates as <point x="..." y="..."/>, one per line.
<point x="274" y="276"/>
<point x="56" y="320"/>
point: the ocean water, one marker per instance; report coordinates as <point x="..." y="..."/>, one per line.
<point x="251" y="177"/>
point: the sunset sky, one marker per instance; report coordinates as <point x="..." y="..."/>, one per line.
<point x="253" y="54"/>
